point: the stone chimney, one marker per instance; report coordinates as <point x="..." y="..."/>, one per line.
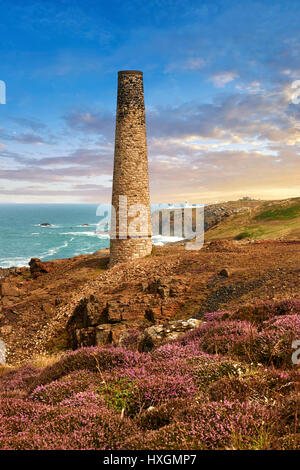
<point x="130" y="239"/>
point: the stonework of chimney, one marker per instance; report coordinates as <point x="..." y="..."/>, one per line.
<point x="131" y="177"/>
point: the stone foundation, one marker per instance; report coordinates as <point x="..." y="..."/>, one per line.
<point x="124" y="250"/>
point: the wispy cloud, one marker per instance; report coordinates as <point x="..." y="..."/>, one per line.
<point x="221" y="79"/>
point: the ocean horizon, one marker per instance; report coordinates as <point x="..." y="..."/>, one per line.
<point x="72" y="232"/>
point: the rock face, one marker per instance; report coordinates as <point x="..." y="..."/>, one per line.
<point x="92" y="322"/>
<point x="7" y="272"/>
<point x="214" y="214"/>
<point x="95" y="323"/>
<point x="156" y="335"/>
<point x="163" y="287"/>
<point x="9" y="290"/>
<point x="37" y="267"/>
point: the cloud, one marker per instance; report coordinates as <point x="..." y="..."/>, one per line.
<point x="221" y="79"/>
<point x="29" y="123"/>
<point x="191" y="63"/>
<point x="40" y="194"/>
<point x="91" y="121"/>
<point x="30" y="138"/>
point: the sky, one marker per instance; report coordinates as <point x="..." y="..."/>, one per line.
<point x="221" y="80"/>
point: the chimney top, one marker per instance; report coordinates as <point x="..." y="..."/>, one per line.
<point x="130" y="72"/>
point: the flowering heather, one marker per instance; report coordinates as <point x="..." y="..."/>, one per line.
<point x="66" y="387"/>
<point x="263" y="311"/>
<point x="62" y="427"/>
<point x="226" y="385"/>
<point x="92" y="358"/>
<point x="228" y="425"/>
<point x="216" y="316"/>
<point x="130" y="341"/>
<point x="260" y="385"/>
<point x="82" y="398"/>
<point x="222" y="337"/>
<point x="18" y="379"/>
<point x="273" y="345"/>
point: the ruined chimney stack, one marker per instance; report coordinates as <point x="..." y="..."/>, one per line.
<point x="131" y="178"/>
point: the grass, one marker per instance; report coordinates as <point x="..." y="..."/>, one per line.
<point x="44" y="360"/>
<point x="58" y="343"/>
<point x="4" y="368"/>
<point x="268" y="221"/>
<point x="280" y="213"/>
<point x="119" y="395"/>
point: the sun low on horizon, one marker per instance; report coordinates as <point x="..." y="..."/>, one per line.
<point x="222" y="95"/>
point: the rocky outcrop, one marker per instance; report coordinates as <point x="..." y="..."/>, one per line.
<point x="92" y="321"/>
<point x="156" y="335"/>
<point x="37" y="267"/>
<point x="163" y="287"/>
<point x="96" y="322"/>
<point x="214" y="214"/>
<point x="82" y="333"/>
<point x="7" y="272"/>
<point x="10" y="290"/>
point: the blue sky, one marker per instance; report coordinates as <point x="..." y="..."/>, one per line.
<point x="218" y="77"/>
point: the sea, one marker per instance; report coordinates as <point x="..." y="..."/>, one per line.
<point x="73" y="230"/>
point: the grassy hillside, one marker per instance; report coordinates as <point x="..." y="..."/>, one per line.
<point x="263" y="220"/>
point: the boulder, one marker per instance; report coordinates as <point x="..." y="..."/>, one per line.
<point x="103" y="335"/>
<point x="47" y="307"/>
<point x="224" y="272"/>
<point x="151" y="338"/>
<point x="157" y="335"/>
<point x="37" y="267"/>
<point x="89" y="311"/>
<point x="159" y="286"/>
<point x="113" y="312"/>
<point x="84" y="337"/>
<point x="6" y="330"/>
<point x="9" y="290"/>
<point x="92" y="321"/>
<point x="150" y="315"/>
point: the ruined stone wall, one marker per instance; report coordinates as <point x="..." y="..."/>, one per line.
<point x="131" y="178"/>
